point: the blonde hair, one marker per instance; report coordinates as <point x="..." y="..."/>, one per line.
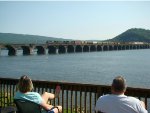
<point x="25" y="84"/>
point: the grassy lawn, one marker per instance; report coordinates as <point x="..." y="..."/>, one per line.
<point x="69" y="111"/>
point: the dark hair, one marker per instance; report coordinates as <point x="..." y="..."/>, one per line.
<point x="119" y="84"/>
<point x="25" y="84"/>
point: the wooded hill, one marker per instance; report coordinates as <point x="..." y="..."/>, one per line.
<point x="11" y="38"/>
<point x="133" y="35"/>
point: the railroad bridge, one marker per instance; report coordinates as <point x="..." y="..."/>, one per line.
<point x="54" y="48"/>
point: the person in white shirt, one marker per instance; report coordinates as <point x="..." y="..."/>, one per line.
<point x="117" y="102"/>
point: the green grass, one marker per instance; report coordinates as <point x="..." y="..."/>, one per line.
<point x="69" y="111"/>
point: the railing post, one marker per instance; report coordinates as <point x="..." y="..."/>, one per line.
<point x="71" y="99"/>
<point x="85" y="97"/>
<point x="90" y="98"/>
<point x="99" y="92"/>
<point x="80" y="100"/>
<point x="67" y="100"/>
<point x="76" y="100"/>
<point x="62" y="99"/>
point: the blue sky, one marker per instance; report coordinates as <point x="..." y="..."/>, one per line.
<point x="81" y="20"/>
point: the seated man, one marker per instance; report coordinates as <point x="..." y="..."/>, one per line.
<point x="117" y="102"/>
<point x="25" y="87"/>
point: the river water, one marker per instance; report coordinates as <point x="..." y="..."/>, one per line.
<point x="89" y="67"/>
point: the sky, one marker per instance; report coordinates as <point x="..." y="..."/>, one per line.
<point x="78" y="20"/>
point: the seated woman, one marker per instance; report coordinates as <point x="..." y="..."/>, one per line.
<point x="25" y="87"/>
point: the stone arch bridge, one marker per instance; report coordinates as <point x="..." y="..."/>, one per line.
<point x="70" y="48"/>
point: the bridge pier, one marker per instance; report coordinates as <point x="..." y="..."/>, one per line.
<point x="74" y="48"/>
<point x="102" y="48"/>
<point x="96" y="47"/>
<point x="89" y="48"/>
<point x="57" y="51"/>
<point x="131" y="47"/>
<point x="66" y="49"/>
<point x="82" y="49"/>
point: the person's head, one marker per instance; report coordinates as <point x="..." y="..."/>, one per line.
<point x="25" y="84"/>
<point x="118" y="85"/>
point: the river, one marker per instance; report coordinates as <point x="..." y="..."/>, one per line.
<point x="88" y="67"/>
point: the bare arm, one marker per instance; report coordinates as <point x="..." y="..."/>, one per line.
<point x="46" y="96"/>
<point x="143" y="104"/>
<point x="46" y="106"/>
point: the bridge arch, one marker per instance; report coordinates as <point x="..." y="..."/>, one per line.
<point x="141" y="46"/>
<point x="115" y="47"/>
<point x="119" y="47"/>
<point x="145" y="46"/>
<point x="40" y="50"/>
<point x="26" y="50"/>
<point x="99" y="48"/>
<point x="11" y="50"/>
<point x="70" y="48"/>
<point x="127" y="47"/>
<point x="93" y="48"/>
<point x="86" y="48"/>
<point x="111" y="48"/>
<point x="105" y="48"/>
<point x="138" y="46"/>
<point x="51" y="50"/>
<point x="134" y="47"/>
<point x="61" y="49"/>
<point x="131" y="47"/>
<point x="123" y="47"/>
<point x="78" y="48"/>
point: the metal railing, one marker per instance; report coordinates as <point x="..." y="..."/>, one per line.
<point x="74" y="97"/>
